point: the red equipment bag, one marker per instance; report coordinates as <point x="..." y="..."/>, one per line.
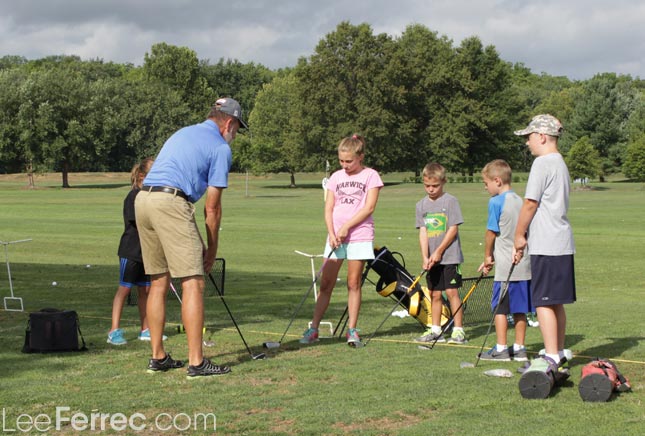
<point x="600" y="378"/>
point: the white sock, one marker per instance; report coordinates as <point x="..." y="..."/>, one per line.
<point x="500" y="347"/>
<point x="518" y="347"/>
<point x="436" y="329"/>
<point x="555" y="357"/>
<point x="561" y="354"/>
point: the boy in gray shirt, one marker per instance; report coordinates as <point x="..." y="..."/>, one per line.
<point x="543" y="220"/>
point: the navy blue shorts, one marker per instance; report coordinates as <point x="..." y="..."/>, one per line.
<point x="442" y="277"/>
<point x="553" y="280"/>
<point x="132" y="273"/>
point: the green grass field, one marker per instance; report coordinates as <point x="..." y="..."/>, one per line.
<point x="388" y="387"/>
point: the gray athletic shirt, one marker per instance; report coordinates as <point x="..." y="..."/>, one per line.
<point x="437" y="216"/>
<point x="503" y="212"/>
<point x="550" y="232"/>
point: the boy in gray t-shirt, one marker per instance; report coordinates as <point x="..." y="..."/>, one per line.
<point x="550" y="238"/>
<point x="438" y="217"/>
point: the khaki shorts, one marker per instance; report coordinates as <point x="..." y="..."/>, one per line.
<point x="170" y="240"/>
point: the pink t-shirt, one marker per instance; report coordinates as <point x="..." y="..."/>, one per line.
<point x="350" y="195"/>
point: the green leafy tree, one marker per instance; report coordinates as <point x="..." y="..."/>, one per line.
<point x="484" y="106"/>
<point x="273" y="149"/>
<point x="51" y="120"/>
<point x="343" y="88"/>
<point x="583" y="160"/>
<point x="178" y="68"/>
<point x="231" y="78"/>
<point x="13" y="157"/>
<point x="601" y="112"/>
<point x="634" y="166"/>
<point x="420" y="69"/>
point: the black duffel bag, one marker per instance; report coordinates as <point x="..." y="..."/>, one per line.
<point x="53" y="331"/>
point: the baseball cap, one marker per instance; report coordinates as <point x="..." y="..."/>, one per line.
<point x="545" y="123"/>
<point x="231" y="107"/>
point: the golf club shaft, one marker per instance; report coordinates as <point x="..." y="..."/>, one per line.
<point x="502" y="294"/>
<point x="408" y="292"/>
<point x="452" y="317"/>
<point x="304" y="297"/>
<point x="175" y="291"/>
<point x="210" y="276"/>
<point x="343" y="318"/>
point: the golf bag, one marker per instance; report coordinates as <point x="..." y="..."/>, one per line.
<point x="394" y="281"/>
<point x="600" y="378"/>
<point x="53" y="330"/>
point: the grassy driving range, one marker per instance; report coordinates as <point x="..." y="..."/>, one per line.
<point x="388" y="387"/>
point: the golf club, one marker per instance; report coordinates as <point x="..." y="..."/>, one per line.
<point x="408" y="293"/>
<point x="175" y="291"/>
<point x="343" y="318"/>
<point x="272" y="344"/>
<point x="180" y="327"/>
<point x="499" y="301"/>
<point x="253" y="356"/>
<point x="452" y="318"/>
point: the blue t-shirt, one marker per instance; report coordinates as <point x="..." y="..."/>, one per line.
<point x="192" y="159"/>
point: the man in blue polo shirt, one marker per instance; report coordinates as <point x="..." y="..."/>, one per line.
<point x="194" y="161"/>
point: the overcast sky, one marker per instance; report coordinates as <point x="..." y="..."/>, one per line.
<point x="573" y="38"/>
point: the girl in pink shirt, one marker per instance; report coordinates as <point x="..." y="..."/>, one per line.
<point x="352" y="193"/>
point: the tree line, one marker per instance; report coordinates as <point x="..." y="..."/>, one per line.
<point x="416" y="98"/>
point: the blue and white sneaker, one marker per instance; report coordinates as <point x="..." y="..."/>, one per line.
<point x="144" y="335"/>
<point x="353" y="340"/>
<point x="309" y="336"/>
<point x="115" y="337"/>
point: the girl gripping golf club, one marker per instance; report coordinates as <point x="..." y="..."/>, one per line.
<point x="131" y="270"/>
<point x="352" y="193"/>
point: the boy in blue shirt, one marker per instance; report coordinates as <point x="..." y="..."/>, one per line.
<point x="503" y="211"/>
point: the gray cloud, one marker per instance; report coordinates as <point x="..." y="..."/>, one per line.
<point x="576" y="38"/>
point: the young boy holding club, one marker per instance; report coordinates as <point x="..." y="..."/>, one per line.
<point x="543" y="220"/>
<point x="438" y="216"/>
<point x="503" y="211"/>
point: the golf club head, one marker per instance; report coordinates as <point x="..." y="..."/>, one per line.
<point x="209" y="343"/>
<point x="260" y="356"/>
<point x="270" y="345"/>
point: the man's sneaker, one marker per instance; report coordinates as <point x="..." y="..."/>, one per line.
<point x="353" y="340"/>
<point x="519" y="355"/>
<point x="115" y="337"/>
<point x="493" y="354"/>
<point x="144" y="335"/>
<point x="310" y="336"/>
<point x="205" y="369"/>
<point x="428" y="336"/>
<point x="156" y="365"/>
<point x="458" y="337"/>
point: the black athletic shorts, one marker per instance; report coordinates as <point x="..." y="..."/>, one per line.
<point x="553" y="280"/>
<point x="442" y="277"/>
<point x="132" y="273"/>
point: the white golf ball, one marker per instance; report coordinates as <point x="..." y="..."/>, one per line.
<point x="480" y="243"/>
<point x="54" y="283"/>
<point x="399" y="237"/>
<point x="88" y="265"/>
